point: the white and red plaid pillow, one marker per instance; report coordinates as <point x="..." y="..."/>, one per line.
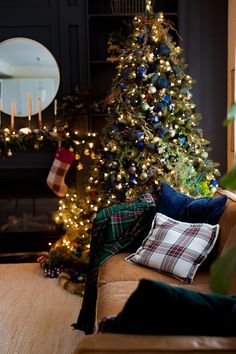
<point x="176" y="248"/>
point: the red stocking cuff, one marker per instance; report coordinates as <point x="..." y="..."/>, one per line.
<point x="65" y="155"/>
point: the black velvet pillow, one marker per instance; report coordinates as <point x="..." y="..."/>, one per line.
<point x="181" y="207"/>
<point x="159" y="308"/>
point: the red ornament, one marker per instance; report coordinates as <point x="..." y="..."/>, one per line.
<point x="93" y="195"/>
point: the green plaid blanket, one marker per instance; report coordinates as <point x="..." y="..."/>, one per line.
<point x="114" y="229"/>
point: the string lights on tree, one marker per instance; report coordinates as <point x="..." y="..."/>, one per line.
<point x="151" y="135"/>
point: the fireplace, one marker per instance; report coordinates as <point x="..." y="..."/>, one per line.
<point x="27" y="204"/>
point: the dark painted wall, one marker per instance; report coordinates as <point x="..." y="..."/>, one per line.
<point x="61" y="25"/>
<point x="203" y="26"/>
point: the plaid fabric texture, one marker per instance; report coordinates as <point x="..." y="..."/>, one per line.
<point x="56" y="178"/>
<point x="57" y="173"/>
<point x="176" y="248"/>
<point x="116" y="227"/>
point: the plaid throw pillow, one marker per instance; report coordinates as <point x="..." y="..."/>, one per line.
<point x="176" y="248"/>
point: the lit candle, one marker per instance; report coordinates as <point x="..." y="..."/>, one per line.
<point x="55" y="107"/>
<point x="29" y="100"/>
<point x="40" y="112"/>
<point x="13" y="111"/>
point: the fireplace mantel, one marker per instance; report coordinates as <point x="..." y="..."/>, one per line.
<point x="26" y="201"/>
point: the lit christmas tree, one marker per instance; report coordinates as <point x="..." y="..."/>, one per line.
<point x="151" y="134"/>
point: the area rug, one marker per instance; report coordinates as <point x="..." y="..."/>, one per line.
<point x="36" y="313"/>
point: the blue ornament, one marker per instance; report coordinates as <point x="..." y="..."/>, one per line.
<point x="162" y="82"/>
<point x="214" y="182"/>
<point x="140" y="144"/>
<point x="123" y="85"/>
<point x="183" y="140"/>
<point x="139" y="135"/>
<point x="154" y="117"/>
<point x="165" y="99"/>
<point x="141" y="71"/>
<point x="159" y="107"/>
<point x="140" y="37"/>
<point x="162" y="132"/>
<point x="164" y="49"/>
<point x="74" y="276"/>
<point x="133" y="179"/>
<point x="156" y="52"/>
<point x="126" y="72"/>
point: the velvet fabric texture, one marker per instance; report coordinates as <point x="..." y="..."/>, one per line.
<point x="181" y="207"/>
<point x="157" y="308"/>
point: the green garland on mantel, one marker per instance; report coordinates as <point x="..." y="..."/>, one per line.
<point x="26" y="139"/>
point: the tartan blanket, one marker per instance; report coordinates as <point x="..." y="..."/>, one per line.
<point x="114" y="229"/>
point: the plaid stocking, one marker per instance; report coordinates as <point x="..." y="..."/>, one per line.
<point x="60" y="166"/>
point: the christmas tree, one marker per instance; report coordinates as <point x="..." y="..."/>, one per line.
<point x="152" y="133"/>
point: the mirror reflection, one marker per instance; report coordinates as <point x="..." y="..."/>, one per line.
<point x="28" y="74"/>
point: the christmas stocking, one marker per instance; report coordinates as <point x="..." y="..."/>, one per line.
<point x="60" y="166"/>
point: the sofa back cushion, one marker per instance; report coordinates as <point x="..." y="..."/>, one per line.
<point x="184" y="208"/>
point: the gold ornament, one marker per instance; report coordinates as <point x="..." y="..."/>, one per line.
<point x="80" y="166"/>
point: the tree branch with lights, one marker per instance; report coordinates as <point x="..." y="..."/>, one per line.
<point x="151" y="135"/>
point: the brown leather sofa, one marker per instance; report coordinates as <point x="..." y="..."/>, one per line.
<point x="118" y="279"/>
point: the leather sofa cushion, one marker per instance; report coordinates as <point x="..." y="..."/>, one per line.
<point x="162" y="309"/>
<point x="117" y="269"/>
<point x="113" y="296"/>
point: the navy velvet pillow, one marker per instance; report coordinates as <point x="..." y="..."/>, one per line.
<point x="159" y="308"/>
<point x="181" y="207"/>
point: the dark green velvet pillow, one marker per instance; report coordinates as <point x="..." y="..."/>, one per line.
<point x="159" y="308"/>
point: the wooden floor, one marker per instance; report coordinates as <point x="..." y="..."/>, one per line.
<point x="35" y="312"/>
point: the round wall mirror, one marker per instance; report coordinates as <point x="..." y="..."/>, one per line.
<point x="29" y="76"/>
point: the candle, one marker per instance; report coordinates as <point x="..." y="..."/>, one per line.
<point x="29" y="104"/>
<point x="0" y="105"/>
<point x="13" y="111"/>
<point x="40" y="112"/>
<point x="29" y="101"/>
<point x="55" y="107"/>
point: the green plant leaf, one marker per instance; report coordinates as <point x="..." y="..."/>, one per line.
<point x="222" y="272"/>
<point x="231" y="114"/>
<point x="228" y="181"/>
